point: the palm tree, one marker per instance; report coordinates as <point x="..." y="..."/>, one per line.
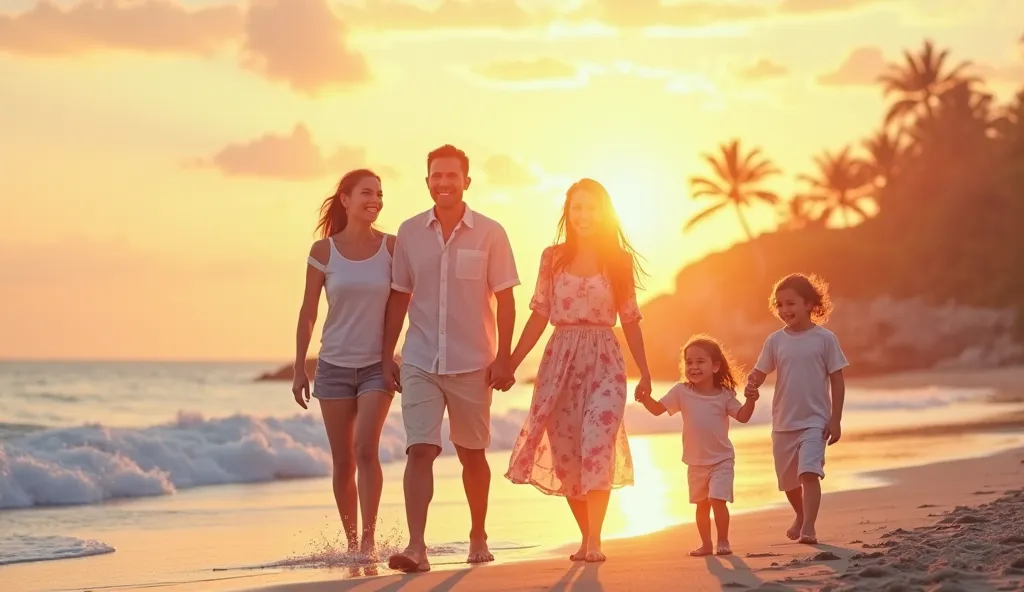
<point x="841" y="183"/>
<point x="795" y="214"/>
<point x="920" y="82"/>
<point x="961" y="118"/>
<point x="738" y="183"/>
<point x="885" y="153"/>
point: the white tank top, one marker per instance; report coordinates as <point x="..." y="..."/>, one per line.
<point x="357" y="294"/>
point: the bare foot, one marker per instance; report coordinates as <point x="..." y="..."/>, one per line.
<point x="367" y="548"/>
<point x="701" y="551"/>
<point x="794" y="531"/>
<point x="808" y="537"/>
<point x="594" y="554"/>
<point x="478" y="551"/>
<point x="723" y="548"/>
<point x="411" y="560"/>
<point x="581" y="554"/>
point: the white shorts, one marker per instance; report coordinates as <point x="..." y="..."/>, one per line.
<point x="796" y="453"/>
<point x="711" y="481"/>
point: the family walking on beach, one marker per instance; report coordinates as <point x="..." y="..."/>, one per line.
<point x="451" y="270"/>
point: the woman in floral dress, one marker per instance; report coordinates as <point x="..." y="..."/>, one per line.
<point x="573" y="442"/>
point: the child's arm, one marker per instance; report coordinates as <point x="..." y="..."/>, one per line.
<point x="654" y="407"/>
<point x="834" y="429"/>
<point x="744" y="413"/>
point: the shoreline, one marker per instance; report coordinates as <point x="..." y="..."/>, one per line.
<point x="854" y="526"/>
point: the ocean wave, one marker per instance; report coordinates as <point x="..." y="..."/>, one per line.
<point x="93" y="463"/>
<point x="23" y="548"/>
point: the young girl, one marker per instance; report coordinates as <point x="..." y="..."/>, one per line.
<point x="809" y="361"/>
<point x="352" y="264"/>
<point x="706" y="400"/>
<point x="573" y="442"/>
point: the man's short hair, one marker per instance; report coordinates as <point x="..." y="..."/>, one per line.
<point x="449" y="151"/>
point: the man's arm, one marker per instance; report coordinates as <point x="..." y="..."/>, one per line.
<point x="499" y="373"/>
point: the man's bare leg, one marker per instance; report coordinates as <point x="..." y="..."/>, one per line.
<point x="476" y="480"/>
<point x="419" y="490"/>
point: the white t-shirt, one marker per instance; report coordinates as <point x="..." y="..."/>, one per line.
<point x="705" y="423"/>
<point x="804" y="361"/>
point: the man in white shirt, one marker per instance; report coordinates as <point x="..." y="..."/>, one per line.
<point x="450" y="266"/>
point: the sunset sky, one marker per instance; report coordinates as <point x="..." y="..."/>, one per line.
<point x="163" y="161"/>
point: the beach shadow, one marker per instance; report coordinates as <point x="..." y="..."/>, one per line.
<point x="582" y="577"/>
<point x="732" y="572"/>
<point x="445" y="585"/>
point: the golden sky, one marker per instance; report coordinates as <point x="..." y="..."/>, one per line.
<point x="163" y="160"/>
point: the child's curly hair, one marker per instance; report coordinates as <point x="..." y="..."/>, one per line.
<point x="812" y="288"/>
<point x="726" y="377"/>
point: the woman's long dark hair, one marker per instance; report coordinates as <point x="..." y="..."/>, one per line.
<point x="333" y="217"/>
<point x="617" y="256"/>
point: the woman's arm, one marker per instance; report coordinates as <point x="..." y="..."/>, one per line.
<point x="535" y="326"/>
<point x="318" y="257"/>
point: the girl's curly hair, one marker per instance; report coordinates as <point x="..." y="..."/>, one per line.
<point x="812" y="288"/>
<point x="728" y="371"/>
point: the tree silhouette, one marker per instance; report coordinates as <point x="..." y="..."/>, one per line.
<point x="920" y="81"/>
<point x="840" y="184"/>
<point x="738" y="182"/>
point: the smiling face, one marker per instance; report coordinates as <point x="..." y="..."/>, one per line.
<point x="446" y="182"/>
<point x="365" y="201"/>
<point x="793" y="309"/>
<point x="585" y="215"/>
<point x="700" y="366"/>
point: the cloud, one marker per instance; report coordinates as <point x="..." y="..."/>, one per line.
<point x="527" y="70"/>
<point x="1000" y="74"/>
<point x="154" y="26"/>
<point x="448" y="14"/>
<point x="861" y="67"/>
<point x="763" y="69"/>
<point x="303" y="43"/>
<point x="292" y="157"/>
<point x="817" y="6"/>
<point x="655" y="13"/>
<point x="504" y="171"/>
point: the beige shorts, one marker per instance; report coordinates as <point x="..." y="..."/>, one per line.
<point x="467" y="397"/>
<point x="798" y="452"/>
<point x="711" y="481"/>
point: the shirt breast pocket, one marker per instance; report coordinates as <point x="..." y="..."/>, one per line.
<point x="470" y="264"/>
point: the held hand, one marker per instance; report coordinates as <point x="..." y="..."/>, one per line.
<point x="833" y="431"/>
<point x="751" y="392"/>
<point x="300" y="387"/>
<point x="643" y="388"/>
<point x="754" y="379"/>
<point x="499" y="374"/>
<point x="392" y="375"/>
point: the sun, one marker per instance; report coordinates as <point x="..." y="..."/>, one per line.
<point x="636" y="198"/>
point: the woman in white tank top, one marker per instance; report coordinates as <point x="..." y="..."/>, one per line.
<point x="352" y="264"/>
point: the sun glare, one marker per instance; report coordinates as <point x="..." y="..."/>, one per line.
<point x="636" y="200"/>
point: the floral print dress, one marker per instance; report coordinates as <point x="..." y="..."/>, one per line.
<point x="573" y="440"/>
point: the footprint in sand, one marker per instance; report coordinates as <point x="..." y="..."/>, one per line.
<point x="760" y="555"/>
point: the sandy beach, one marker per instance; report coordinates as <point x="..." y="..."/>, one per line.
<point x="950" y="526"/>
<point x="915" y="448"/>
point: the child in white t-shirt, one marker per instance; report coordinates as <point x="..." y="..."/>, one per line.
<point x="809" y="361"/>
<point x="706" y="401"/>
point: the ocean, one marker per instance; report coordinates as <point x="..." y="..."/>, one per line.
<point x="133" y="474"/>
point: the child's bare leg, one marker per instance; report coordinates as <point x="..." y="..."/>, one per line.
<point x="796" y="499"/>
<point x="722" y="526"/>
<point x="811" y="485"/>
<point x="703" y="529"/>
<point x="578" y="505"/>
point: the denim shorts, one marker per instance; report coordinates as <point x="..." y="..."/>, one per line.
<point x="337" y="382"/>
